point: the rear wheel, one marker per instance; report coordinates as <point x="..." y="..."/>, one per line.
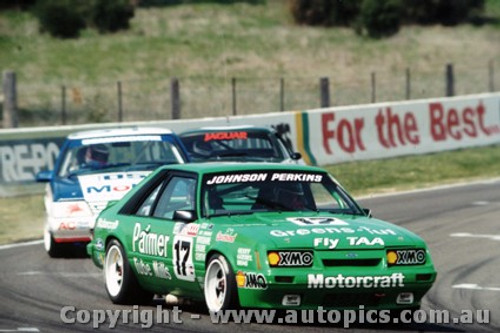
<point x="121" y="283"/>
<point x="220" y="285"/>
<point x="54" y="250"/>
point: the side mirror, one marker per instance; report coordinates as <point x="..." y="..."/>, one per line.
<point x="184" y="215"/>
<point x="296" y="156"/>
<point x="368" y="212"/>
<point x="44" y="176"/>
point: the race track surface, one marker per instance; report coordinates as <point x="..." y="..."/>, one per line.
<point x="460" y="224"/>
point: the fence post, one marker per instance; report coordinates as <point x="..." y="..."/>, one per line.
<point x="233" y="89"/>
<point x="63" y="105"/>
<point x="450" y="81"/>
<point x="408" y="84"/>
<point x="491" y="76"/>
<point x="10" y="119"/>
<point x="120" y="104"/>
<point x="374" y="87"/>
<point x="324" y="86"/>
<point x="176" y="99"/>
<point x="282" y="94"/>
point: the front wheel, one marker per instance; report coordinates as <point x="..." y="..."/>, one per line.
<point x="220" y="285"/>
<point x="121" y="283"/>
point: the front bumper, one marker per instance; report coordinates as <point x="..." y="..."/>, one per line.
<point x="348" y="290"/>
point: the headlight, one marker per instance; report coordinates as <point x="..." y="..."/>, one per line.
<point x="290" y="258"/>
<point x="406" y="257"/>
<point x="70" y="209"/>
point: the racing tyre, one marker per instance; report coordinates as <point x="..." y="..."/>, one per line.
<point x="53" y="249"/>
<point x="121" y="283"/>
<point x="220" y="285"/>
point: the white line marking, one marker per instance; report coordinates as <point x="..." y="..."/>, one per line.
<point x="473" y="286"/>
<point x="466" y="234"/>
<point x="11" y="246"/>
<point x="64" y="274"/>
<point x="21" y="329"/>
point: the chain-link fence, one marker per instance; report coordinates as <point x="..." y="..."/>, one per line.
<point x="195" y="97"/>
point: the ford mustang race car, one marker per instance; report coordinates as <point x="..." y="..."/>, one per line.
<point x="238" y="143"/>
<point x="94" y="167"/>
<point x="255" y="235"/>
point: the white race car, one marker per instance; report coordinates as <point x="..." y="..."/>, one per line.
<point x="95" y="167"/>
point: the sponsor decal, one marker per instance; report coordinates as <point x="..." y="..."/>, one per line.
<point x="190" y="229"/>
<point x="112" y="186"/>
<point x="226" y="136"/>
<point x="357" y="241"/>
<point x="183" y="259"/>
<point x="315" y="281"/>
<point x="99" y="244"/>
<point x="105" y="224"/>
<point x="327" y="243"/>
<point x="238" y="178"/>
<point x="161" y="270"/>
<point x="250" y="280"/>
<point x="262" y="177"/>
<point x="150" y="243"/>
<point x="315" y="221"/>
<point x="297" y="177"/>
<point x="406" y="257"/>
<point x="229" y="236"/>
<point x="142" y="267"/>
<point x="290" y="258"/>
<point x="243" y="256"/>
<point x="330" y="230"/>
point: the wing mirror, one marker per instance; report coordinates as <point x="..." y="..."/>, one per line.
<point x="368" y="212"/>
<point x="296" y="156"/>
<point x="44" y="176"/>
<point x="184" y="215"/>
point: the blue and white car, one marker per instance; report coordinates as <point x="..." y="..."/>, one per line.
<point x="94" y="168"/>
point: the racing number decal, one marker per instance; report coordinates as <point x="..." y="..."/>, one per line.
<point x="183" y="259"/>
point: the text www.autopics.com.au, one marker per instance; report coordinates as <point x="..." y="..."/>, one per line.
<point x="147" y="318"/>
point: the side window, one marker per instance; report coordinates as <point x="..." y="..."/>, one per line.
<point x="179" y="194"/>
<point x="145" y="208"/>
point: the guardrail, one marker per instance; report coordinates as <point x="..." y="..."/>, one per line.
<point x="323" y="136"/>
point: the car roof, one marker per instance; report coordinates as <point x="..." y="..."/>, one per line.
<point x="227" y="128"/>
<point x="125" y="131"/>
<point x="214" y="167"/>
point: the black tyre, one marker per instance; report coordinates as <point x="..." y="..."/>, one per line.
<point x="121" y="283"/>
<point x="54" y="250"/>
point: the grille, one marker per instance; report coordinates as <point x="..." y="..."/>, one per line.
<point x="351" y="262"/>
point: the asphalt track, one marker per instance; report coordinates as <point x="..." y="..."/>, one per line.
<point x="460" y="224"/>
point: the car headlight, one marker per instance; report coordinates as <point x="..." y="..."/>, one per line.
<point x="290" y="258"/>
<point x="70" y="209"/>
<point x="406" y="257"/>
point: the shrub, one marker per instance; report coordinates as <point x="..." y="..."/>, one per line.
<point x="111" y="15"/>
<point x="381" y="18"/>
<point x="324" y="12"/>
<point x="60" y="18"/>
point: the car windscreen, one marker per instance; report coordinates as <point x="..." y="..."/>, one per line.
<point x="118" y="153"/>
<point x="274" y="191"/>
<point x="233" y="145"/>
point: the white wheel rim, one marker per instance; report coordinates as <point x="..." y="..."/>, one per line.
<point x="47" y="240"/>
<point x="215" y="285"/>
<point x="113" y="270"/>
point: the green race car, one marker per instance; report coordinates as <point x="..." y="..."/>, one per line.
<point x="256" y="235"/>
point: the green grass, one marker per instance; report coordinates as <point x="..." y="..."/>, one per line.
<point x="22" y="218"/>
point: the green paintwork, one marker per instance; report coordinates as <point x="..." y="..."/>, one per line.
<point x="349" y="266"/>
